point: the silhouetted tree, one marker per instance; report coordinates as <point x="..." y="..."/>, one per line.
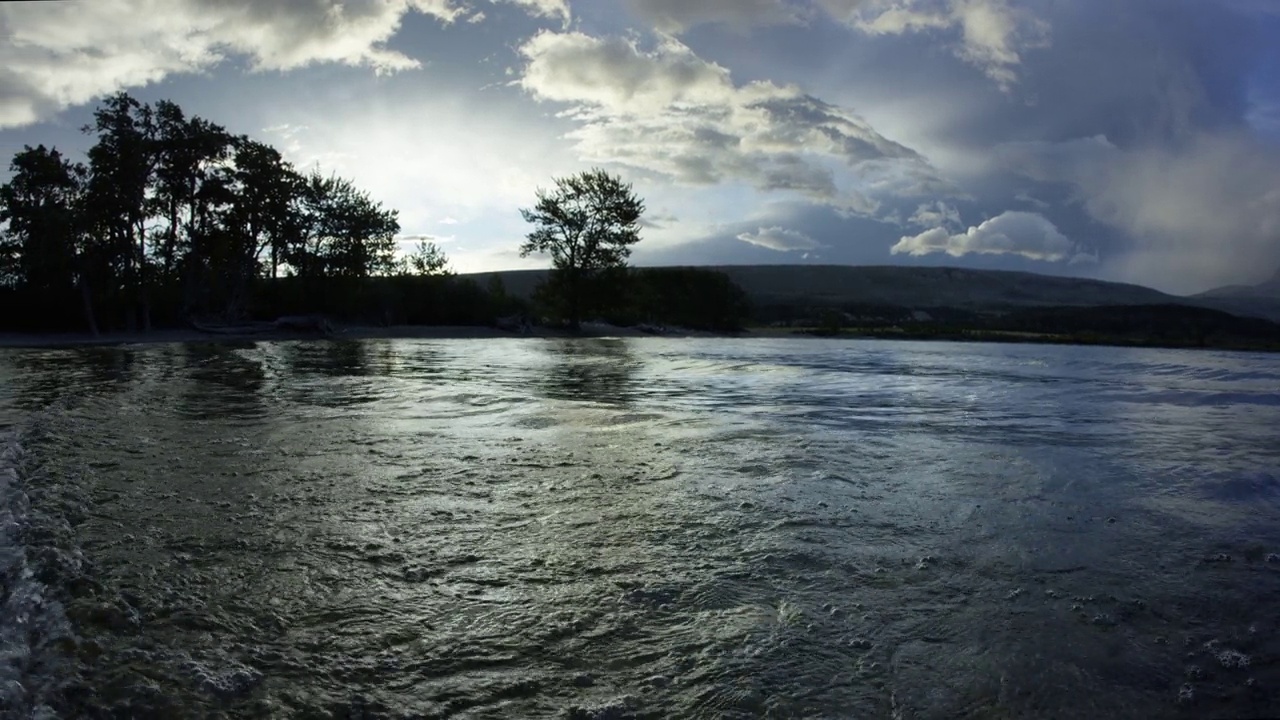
<point x="256" y="220"/>
<point x="38" y="204"/>
<point x="689" y="297"/>
<point x="187" y="149"/>
<point x="587" y="224"/>
<point x="121" y="169"/>
<point x="174" y="214"/>
<point x="266" y="187"/>
<point x="10" y="259"/>
<point x="44" y="248"/>
<point x="426" y="259"/>
<point x="343" y="233"/>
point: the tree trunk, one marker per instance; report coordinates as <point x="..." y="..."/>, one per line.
<point x="575" y="301"/>
<point x="86" y="299"/>
<point x="144" y="285"/>
<point x="171" y="245"/>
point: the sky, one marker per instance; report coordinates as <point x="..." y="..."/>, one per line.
<point x="1129" y="140"/>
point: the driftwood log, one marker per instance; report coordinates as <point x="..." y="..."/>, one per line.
<point x="305" y="323"/>
<point x="289" y="323"/>
<point x="514" y="323"/>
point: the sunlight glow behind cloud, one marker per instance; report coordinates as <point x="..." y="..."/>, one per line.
<point x="1143" y="139"/>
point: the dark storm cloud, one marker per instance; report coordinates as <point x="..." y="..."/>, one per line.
<point x="1012" y="133"/>
<point x="1137" y="130"/>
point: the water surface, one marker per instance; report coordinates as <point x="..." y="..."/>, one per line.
<point x="638" y="528"/>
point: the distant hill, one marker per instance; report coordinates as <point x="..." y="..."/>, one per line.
<point x="1261" y="300"/>
<point x="944" y="287"/>
<point x="931" y="287"/>
<point x="900" y="286"/>
<point x="1269" y="289"/>
<point x="1160" y="325"/>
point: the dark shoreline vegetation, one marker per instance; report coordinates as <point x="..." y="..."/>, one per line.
<point x="173" y="223"/>
<point x="1159" y="326"/>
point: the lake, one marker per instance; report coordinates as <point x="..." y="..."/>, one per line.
<point x="638" y="528"/>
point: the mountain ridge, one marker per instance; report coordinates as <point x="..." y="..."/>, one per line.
<point x="1266" y="289"/>
<point x="932" y="287"/>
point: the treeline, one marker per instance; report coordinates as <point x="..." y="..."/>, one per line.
<point x="1165" y="325"/>
<point x="1168" y="325"/>
<point x="171" y="218"/>
<point x="685" y="297"/>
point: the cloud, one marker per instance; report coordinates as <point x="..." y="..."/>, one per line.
<point x="675" y="16"/>
<point x="1026" y="197"/>
<point x="438" y="177"/>
<point x="544" y="8"/>
<point x="1259" y="7"/>
<point x="58" y="54"/>
<point x="1146" y="133"/>
<point x="657" y="220"/>
<point x="294" y="143"/>
<point x="613" y="74"/>
<point x="990" y="34"/>
<point x="1264" y="115"/>
<point x="406" y="244"/>
<point x="780" y="239"/>
<point x="466" y="260"/>
<point x="1199" y="214"/>
<point x="670" y="113"/>
<point x="993" y="34"/>
<point x="290" y="137"/>
<point x="934" y="215"/>
<point x="1013" y="233"/>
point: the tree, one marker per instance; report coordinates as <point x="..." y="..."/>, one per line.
<point x="186" y="151"/>
<point x="265" y="187"/>
<point x="174" y="213"/>
<point x="191" y="154"/>
<point x="426" y="259"/>
<point x="344" y="232"/>
<point x="38" y="204"/>
<point x="255" y="219"/>
<point x="122" y="167"/>
<point x="10" y="259"/>
<point x="688" y="297"/>
<point x="587" y="224"/>
<point x="44" y="245"/>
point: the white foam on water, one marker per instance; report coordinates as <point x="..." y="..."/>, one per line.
<point x="31" y="622"/>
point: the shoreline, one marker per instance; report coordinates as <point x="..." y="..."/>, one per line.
<point x="52" y="341"/>
<point x="354" y="332"/>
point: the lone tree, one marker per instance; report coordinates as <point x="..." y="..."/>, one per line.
<point x="426" y="259"/>
<point x="587" y="224"/>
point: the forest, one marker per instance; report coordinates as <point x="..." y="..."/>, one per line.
<point x="170" y="220"/>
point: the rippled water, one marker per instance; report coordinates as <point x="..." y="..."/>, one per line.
<point x="638" y="528"/>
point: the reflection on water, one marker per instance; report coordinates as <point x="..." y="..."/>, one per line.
<point x="218" y="379"/>
<point x="602" y="371"/>
<point x="37" y="378"/>
<point x="654" y="528"/>
<point x="341" y="358"/>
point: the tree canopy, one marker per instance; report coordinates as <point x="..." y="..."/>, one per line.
<point x="175" y="212"/>
<point x="170" y="219"/>
<point x="587" y="224"/>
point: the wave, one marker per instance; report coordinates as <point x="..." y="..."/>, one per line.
<point x="33" y="623"/>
